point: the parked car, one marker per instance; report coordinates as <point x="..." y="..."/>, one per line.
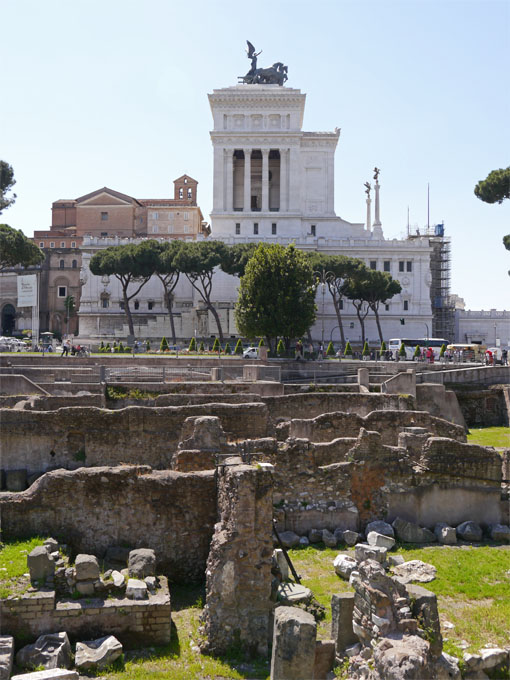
<point x="251" y="353"/>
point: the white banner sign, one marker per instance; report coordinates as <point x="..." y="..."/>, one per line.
<point x="27" y="290"/>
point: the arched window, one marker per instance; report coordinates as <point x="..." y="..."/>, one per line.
<point x="61" y="264"/>
<point x="181" y="193"/>
<point x="75" y="264"/>
<point x="190" y="192"/>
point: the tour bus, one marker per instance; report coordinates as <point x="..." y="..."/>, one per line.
<point x="410" y="346"/>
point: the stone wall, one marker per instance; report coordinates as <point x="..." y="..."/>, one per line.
<point x="484" y="408"/>
<point x="134" y="623"/>
<point x="72" y="437"/>
<point x="238" y="585"/>
<point x="95" y="508"/>
<point x="388" y="423"/>
<point x="312" y="404"/>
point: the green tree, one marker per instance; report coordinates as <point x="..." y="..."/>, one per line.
<point x="227" y="349"/>
<point x="131" y="264"/>
<point x="198" y="260"/>
<point x="163" y="346"/>
<point x="417" y="352"/>
<point x="17" y="249"/>
<point x="442" y="351"/>
<point x="383" y="349"/>
<point x="239" y="347"/>
<point x="280" y="348"/>
<point x="276" y="295"/>
<point x="236" y="258"/>
<point x="192" y="345"/>
<point x="495" y="187"/>
<point x="402" y="351"/>
<point x="366" y="350"/>
<point x="167" y="270"/>
<point x="337" y="269"/>
<point x="201" y="347"/>
<point x="348" y="349"/>
<point x="355" y="289"/>
<point x="69" y="307"/>
<point x="147" y="346"/>
<point x="379" y="288"/>
<point x="7" y="181"/>
<point x="216" y="345"/>
<point x="330" y="352"/>
<point x="262" y="343"/>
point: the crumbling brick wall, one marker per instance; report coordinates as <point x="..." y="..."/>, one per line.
<point x="238" y="585"/>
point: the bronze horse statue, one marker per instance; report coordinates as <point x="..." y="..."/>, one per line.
<point x="274" y="75"/>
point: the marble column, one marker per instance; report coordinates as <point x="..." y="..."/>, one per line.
<point x="369" y="219"/>
<point x="247" y="180"/>
<point x="230" y="180"/>
<point x="284" y="184"/>
<point x="377" y="220"/>
<point x="265" y="180"/>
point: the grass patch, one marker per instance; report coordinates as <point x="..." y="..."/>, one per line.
<point x="13" y="563"/>
<point x="498" y="437"/>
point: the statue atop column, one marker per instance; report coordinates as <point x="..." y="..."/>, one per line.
<point x="274" y="75"/>
<point x="368" y="188"/>
<point x="376" y="175"/>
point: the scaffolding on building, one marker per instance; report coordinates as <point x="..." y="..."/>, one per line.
<point x="443" y="308"/>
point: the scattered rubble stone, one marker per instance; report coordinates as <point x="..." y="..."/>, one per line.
<point x="363" y="552"/>
<point x="350" y="537"/>
<point x="53" y="674"/>
<point x="407" y="532"/>
<point x="142" y="563"/>
<point x="315" y="535"/>
<point x="381" y="528"/>
<point x="293" y="593"/>
<point x="500" y="532"/>
<point x="469" y="531"/>
<point x="281" y="563"/>
<point x="86" y="568"/>
<point x="51" y="545"/>
<point x="415" y="570"/>
<point x="344" y="565"/>
<point x="445" y="534"/>
<point x="6" y="656"/>
<point x="290" y="539"/>
<point x="40" y="564"/>
<point x="97" y="653"/>
<point x="380" y="540"/>
<point x="324" y="659"/>
<point x="136" y="589"/>
<point x="329" y="539"/>
<point x="50" y="651"/>
<point x="395" y="560"/>
<point x="342" y="605"/>
<point x="294" y="639"/>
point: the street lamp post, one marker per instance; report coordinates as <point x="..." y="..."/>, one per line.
<point x="427" y="327"/>
<point x="322" y="278"/>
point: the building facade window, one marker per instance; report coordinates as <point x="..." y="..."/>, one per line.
<point x="373" y="264"/>
<point x="61" y="264"/>
<point x="155" y="228"/>
<point x="62" y="291"/>
<point x="105" y="302"/>
<point x="401" y="265"/>
<point x="387" y="265"/>
<point x="73" y="244"/>
<point x="150" y="305"/>
<point x="341" y="304"/>
<point x="312" y="230"/>
<point x="62" y="244"/>
<point x="255" y="228"/>
<point x="186" y="216"/>
<point x="104" y="234"/>
<point x="155" y="216"/>
<point x="406" y="305"/>
<point x="409" y="267"/>
<point x="181" y="193"/>
<point x="52" y="244"/>
<point x="190" y="192"/>
<point x="104" y="217"/>
<point x="121" y="305"/>
<point x="137" y="304"/>
<point x="74" y="264"/>
<point x="273" y="229"/>
<point x="387" y="308"/>
<point x="41" y="244"/>
<point x="238" y="228"/>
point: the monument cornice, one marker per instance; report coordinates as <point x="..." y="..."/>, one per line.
<point x="266" y="138"/>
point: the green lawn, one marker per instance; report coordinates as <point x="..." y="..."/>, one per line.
<point x="490" y="436"/>
<point x="13" y="563"/>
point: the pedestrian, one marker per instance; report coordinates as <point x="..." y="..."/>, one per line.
<point x="504" y="357"/>
<point x="65" y="348"/>
<point x="321" y="351"/>
<point x="310" y="351"/>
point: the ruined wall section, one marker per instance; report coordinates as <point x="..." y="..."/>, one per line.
<point x="313" y="404"/>
<point x="238" y="585"/>
<point x="92" y="509"/>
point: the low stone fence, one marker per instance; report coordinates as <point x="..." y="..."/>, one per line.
<point x="92" y="509"/>
<point x="133" y="622"/>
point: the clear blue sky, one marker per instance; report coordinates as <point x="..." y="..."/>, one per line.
<point x="114" y="92"/>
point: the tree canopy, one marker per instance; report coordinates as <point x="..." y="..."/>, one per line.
<point x="276" y="295"/>
<point x="495" y="188"/>
<point x="7" y="181"/>
<point x="130" y="264"/>
<point x="237" y="257"/>
<point x="17" y="249"/>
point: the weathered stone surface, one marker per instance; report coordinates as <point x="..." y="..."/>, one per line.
<point x="293" y="593"/>
<point x="353" y="650"/>
<point x="53" y="674"/>
<point x="117" y="556"/>
<point x="363" y="551"/>
<point x="408" y="532"/>
<point x="487" y="659"/>
<point x="415" y="570"/>
<point x="142" y="563"/>
<point x="315" y="535"/>
<point x="380" y="540"/>
<point x="350" y="537"/>
<point x="290" y="539"/>
<point x="15" y="480"/>
<point x="447" y="668"/>
<point x="294" y="639"/>
<point x="324" y="659"/>
<point x="85" y="587"/>
<point x="404" y="658"/>
<point x="344" y="565"/>
<point x="86" y="567"/>
<point x="118" y="579"/>
<point x="342" y="606"/>
<point x="380" y="527"/>
<point x="203" y="433"/>
<point x="6" y="656"/>
<point x="445" y="535"/>
<point x="97" y="653"/>
<point x="51" y="651"/>
<point x="329" y="539"/>
<point x="395" y="560"/>
<point x="136" y="589"/>
<point x="281" y="563"/>
<point x="469" y="531"/>
<point x="40" y="564"/>
<point x="424" y="609"/>
<point x="51" y="545"/>
<point x="152" y="583"/>
<point x="500" y="532"/>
